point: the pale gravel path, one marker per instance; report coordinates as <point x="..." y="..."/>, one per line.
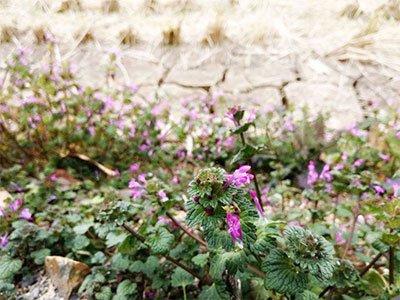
<point x="296" y="52"/>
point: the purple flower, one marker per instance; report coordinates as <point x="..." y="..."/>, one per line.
<point x="344" y="156"/>
<point x="339" y="238"/>
<point x="326" y="173"/>
<point x="288" y="125"/>
<point x="395" y="186"/>
<point x="4" y="240"/>
<point x="339" y="167"/>
<point x="175" y="180"/>
<point x="239" y="177"/>
<point x="252" y="116"/>
<point x="231" y="113"/>
<point x="52" y="198"/>
<point x="258" y="205"/>
<point x="398" y="135"/>
<point x="234" y="228"/>
<point x="384" y="157"/>
<point x="358" y="162"/>
<point x="378" y="189"/>
<point x="25" y="214"/>
<point x="134" y="167"/>
<point x="137" y="189"/>
<point x="16" y="205"/>
<point x="163" y="196"/>
<point x="312" y="175"/>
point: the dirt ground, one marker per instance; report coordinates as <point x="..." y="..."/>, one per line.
<point x="333" y="55"/>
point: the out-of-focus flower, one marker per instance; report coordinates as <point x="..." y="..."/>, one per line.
<point x="52" y="198"/>
<point x="163" y="196"/>
<point x="264" y="196"/>
<point x="345" y="156"/>
<point x="16" y="205"/>
<point x="239" y="177"/>
<point x="231" y="114"/>
<point x="26" y="214"/>
<point x="339" y="238"/>
<point x="175" y="179"/>
<point x="358" y="162"/>
<point x="252" y="115"/>
<point x="258" y="204"/>
<point x="4" y="240"/>
<point x="137" y="189"/>
<point x="326" y="173"/>
<point x="312" y="175"/>
<point x="339" y="167"/>
<point x="134" y="167"/>
<point x="384" y="157"/>
<point x="289" y="125"/>
<point x="378" y="189"/>
<point x="234" y="228"/>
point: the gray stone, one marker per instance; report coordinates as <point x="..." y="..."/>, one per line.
<point x="140" y="72"/>
<point x="339" y="102"/>
<point x="202" y="76"/>
<point x="269" y="73"/>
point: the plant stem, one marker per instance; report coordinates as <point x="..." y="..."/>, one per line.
<point x="242" y="138"/>
<point x="391" y="263"/>
<point x="184" y="292"/>
<point x="353" y="226"/>
<point x="371" y="263"/>
<point x="186" y="230"/>
<point x="207" y="280"/>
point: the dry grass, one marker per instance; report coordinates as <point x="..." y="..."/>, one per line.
<point x="352" y="11"/>
<point x="70" y="5"/>
<point x="172" y="36"/>
<point x="128" y="37"/>
<point x="215" y="33"/>
<point x="7" y="33"/>
<point x="111" y="6"/>
<point x="40" y="34"/>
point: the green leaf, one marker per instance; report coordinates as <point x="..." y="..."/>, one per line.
<point x="307" y="295"/>
<point x="214" y="292"/>
<point x="376" y="284"/>
<point x="80" y="242"/>
<point x="243" y="128"/>
<point x="120" y="262"/>
<point x="200" y="259"/>
<point x="181" y="278"/>
<point x="9" y="267"/>
<point x="104" y="294"/>
<point x="161" y="241"/>
<point x="244" y="154"/>
<point x="115" y="238"/>
<point x="282" y="274"/>
<point x="126" y="288"/>
<point x="231" y="261"/>
<point x="40" y="255"/>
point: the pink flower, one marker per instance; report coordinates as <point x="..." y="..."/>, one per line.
<point x="175" y="180"/>
<point x="163" y="196"/>
<point x="231" y="114"/>
<point x="384" y="157"/>
<point x="25" y="214"/>
<point x="258" y="205"/>
<point x="312" y="175"/>
<point x="4" y="240"/>
<point x="16" y="205"/>
<point x="339" y="238"/>
<point x="134" y="167"/>
<point x="234" y="228"/>
<point x="358" y="162"/>
<point x="288" y="125"/>
<point x="137" y="189"/>
<point x="252" y="115"/>
<point x="344" y="156"/>
<point x="398" y="135"/>
<point x="378" y="189"/>
<point x="264" y="196"/>
<point x="339" y="167"/>
<point x="239" y="177"/>
<point x="326" y="173"/>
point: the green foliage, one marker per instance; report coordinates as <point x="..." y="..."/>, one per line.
<point x="181" y="278"/>
<point x="9" y="267"/>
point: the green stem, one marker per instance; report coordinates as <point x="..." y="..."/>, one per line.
<point x="184" y="292"/>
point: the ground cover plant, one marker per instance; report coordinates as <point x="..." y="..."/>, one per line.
<point x="203" y="204"/>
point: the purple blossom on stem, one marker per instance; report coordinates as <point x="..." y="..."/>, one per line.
<point x="384" y="157"/>
<point x="239" y="177"/>
<point x="137" y="189"/>
<point x="25" y="214"/>
<point x="339" y="238"/>
<point x="234" y="228"/>
<point x="163" y="196"/>
<point x="358" y="162"/>
<point x="134" y="167"/>
<point x="16" y="205"/>
<point x="326" y="173"/>
<point x="258" y="205"/>
<point x="4" y="240"/>
<point x="378" y="189"/>
<point x="231" y="114"/>
<point x="312" y="175"/>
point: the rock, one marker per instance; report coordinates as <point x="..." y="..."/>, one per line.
<point x="339" y="102"/>
<point x="269" y="74"/>
<point x="203" y="76"/>
<point x="65" y="274"/>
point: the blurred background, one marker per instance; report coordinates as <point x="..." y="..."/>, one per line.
<point x="334" y="56"/>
